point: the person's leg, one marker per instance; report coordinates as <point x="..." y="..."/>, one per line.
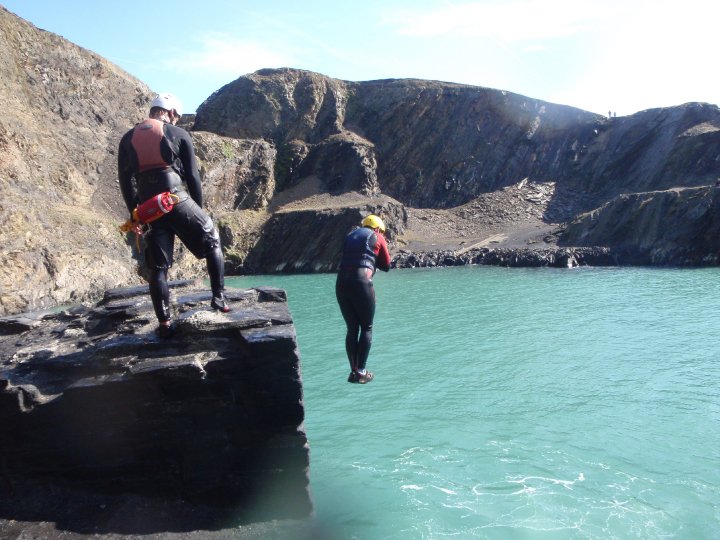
<point x="158" y="257"/>
<point x="160" y="294"/>
<point x="347" y="309"/>
<point x="197" y="231"/>
<point x="365" y="309"/>
<point x="216" y="271"/>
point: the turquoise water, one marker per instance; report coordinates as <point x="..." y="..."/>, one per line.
<point x="516" y="403"/>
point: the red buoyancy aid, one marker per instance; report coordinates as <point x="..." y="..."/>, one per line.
<point x="146" y="140"/>
<point x="155" y="207"/>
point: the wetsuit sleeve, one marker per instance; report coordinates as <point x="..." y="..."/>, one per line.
<point x="186" y="153"/>
<point x="125" y="173"/>
<point x="382" y="260"/>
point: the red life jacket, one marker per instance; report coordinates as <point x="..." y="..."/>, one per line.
<point x="146" y="140"/>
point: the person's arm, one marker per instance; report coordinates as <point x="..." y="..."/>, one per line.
<point x="125" y="175"/>
<point x="382" y="260"/>
<point x="190" y="167"/>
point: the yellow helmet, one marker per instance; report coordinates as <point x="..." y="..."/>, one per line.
<point x="374" y="222"/>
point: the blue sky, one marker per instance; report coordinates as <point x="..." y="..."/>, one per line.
<point x="598" y="55"/>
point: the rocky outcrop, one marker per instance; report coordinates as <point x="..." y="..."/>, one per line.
<point x="671" y="227"/>
<point x="303" y="114"/>
<point x="343" y="163"/>
<point x="91" y="399"/>
<point x="237" y="174"/>
<point x="303" y="241"/>
<point x="280" y="105"/>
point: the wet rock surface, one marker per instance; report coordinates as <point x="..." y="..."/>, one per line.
<point x="203" y="430"/>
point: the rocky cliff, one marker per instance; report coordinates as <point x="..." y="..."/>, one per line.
<point x="464" y="167"/>
<point x="95" y="405"/>
<point x="439" y="145"/>
<point x="291" y="159"/>
<point x="678" y="225"/>
<point x="63" y="109"/>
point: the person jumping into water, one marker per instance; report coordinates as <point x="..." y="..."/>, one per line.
<point x="364" y="251"/>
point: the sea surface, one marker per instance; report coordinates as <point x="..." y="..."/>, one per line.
<point x="516" y="403"/>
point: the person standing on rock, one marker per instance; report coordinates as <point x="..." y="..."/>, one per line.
<point x="364" y="251"/>
<point x="154" y="159"/>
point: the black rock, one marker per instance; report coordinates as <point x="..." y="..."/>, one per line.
<point x="92" y="401"/>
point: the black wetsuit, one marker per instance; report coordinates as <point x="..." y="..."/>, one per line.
<point x="153" y="158"/>
<point x="363" y="252"/>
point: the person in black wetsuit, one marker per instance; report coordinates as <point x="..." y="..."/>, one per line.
<point x="156" y="157"/>
<point x="364" y="251"/>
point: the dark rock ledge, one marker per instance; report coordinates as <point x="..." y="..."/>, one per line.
<point x="108" y="429"/>
<point x="562" y="257"/>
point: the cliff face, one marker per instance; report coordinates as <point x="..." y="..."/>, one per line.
<point x="450" y="167"/>
<point x="63" y="111"/>
<point x="433" y="144"/>
<point x="441" y="145"/>
<point x="307" y="240"/>
<point x="652" y="150"/>
<point x="461" y="150"/>
<point x="681" y="225"/>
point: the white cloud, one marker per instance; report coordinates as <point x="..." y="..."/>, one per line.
<point x="625" y="55"/>
<point x="516" y="20"/>
<point x="224" y="55"/>
<point x="657" y="55"/>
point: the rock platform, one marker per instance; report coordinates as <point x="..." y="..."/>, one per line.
<point x="96" y="407"/>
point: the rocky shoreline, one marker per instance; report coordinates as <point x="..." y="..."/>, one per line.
<point x="510" y="257"/>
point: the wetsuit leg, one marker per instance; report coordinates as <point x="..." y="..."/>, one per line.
<point x="198" y="232"/>
<point x="365" y="306"/>
<point x="357" y="305"/>
<point x="160" y="293"/>
<point x="352" y="323"/>
<point x="216" y="271"/>
<point x="158" y="256"/>
<point x="194" y="228"/>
